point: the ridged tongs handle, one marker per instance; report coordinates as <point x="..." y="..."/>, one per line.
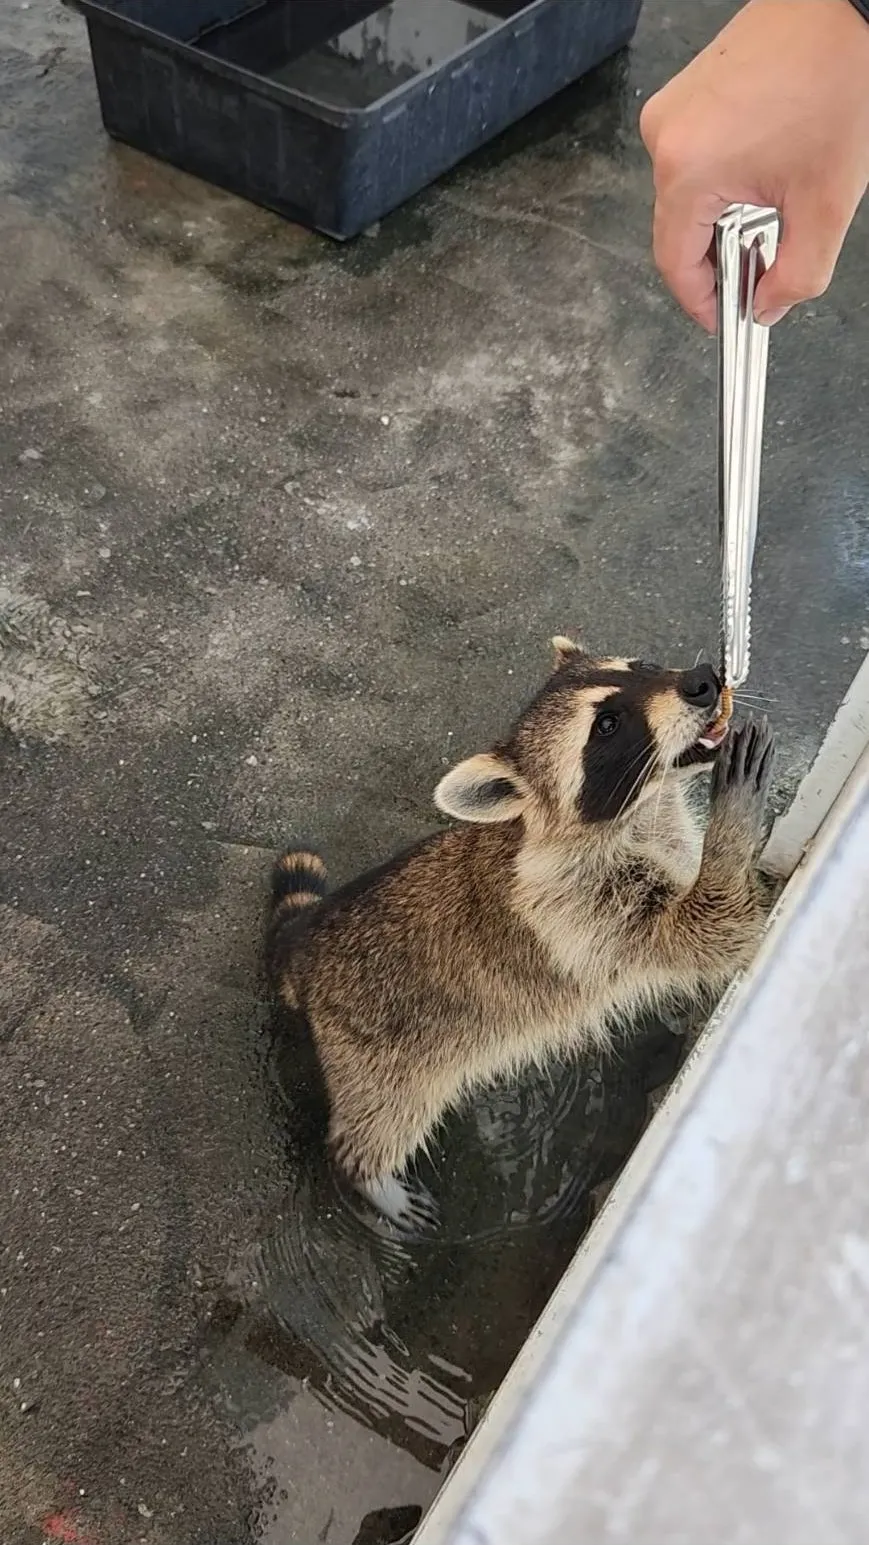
<point x="746" y="241"/>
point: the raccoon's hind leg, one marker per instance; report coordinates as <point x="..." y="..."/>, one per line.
<point x="372" y="1141"/>
<point x="405" y="1203"/>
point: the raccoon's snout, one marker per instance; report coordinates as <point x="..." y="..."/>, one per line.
<point x="700" y="688"/>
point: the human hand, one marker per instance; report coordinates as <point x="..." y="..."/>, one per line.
<point x="774" y="112"/>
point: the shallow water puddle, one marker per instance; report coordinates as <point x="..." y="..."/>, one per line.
<point x="355" y="1364"/>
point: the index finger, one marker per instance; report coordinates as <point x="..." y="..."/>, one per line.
<point x="683" y="240"/>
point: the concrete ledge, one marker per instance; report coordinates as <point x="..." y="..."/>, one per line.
<point x="843" y="747"/>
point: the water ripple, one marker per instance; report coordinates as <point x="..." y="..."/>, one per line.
<point x="411" y="1337"/>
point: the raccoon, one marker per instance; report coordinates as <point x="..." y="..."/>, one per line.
<point x="578" y="890"/>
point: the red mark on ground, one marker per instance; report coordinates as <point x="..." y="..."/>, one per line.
<point x="63" y="1527"/>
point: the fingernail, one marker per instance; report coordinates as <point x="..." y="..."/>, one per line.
<point x="769" y="318"/>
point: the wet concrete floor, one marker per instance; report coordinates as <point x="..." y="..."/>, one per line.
<point x="284" y="528"/>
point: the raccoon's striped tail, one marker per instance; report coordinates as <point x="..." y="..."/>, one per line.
<point x="298" y="883"/>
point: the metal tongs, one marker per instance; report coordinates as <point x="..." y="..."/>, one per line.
<point x="746" y="241"/>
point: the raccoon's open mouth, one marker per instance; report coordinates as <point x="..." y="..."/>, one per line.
<point x="706" y="747"/>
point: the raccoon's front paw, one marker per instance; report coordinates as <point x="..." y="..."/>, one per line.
<point x="742" y="774"/>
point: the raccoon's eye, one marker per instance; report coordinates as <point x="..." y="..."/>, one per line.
<point x="606" y="724"/>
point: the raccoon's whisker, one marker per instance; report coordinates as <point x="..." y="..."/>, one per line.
<point x="652" y="770"/>
<point x="629" y="769"/>
<point x="667" y="768"/>
<point x="641" y="780"/>
<point x="662" y="765"/>
<point x="655" y="766"/>
<point x="643" y="772"/>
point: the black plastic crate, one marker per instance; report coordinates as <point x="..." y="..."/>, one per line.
<point x="332" y="112"/>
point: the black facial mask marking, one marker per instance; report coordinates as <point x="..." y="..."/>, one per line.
<point x="615" y="766"/>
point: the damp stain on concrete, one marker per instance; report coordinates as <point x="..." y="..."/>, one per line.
<point x="49" y="680"/>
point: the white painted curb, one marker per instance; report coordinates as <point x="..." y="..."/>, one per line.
<point x="845" y="746"/>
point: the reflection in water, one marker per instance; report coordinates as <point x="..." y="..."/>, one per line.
<point x="358" y="65"/>
<point x="332" y="1278"/>
<point x="401" y="40"/>
<point x="389" y="1526"/>
<point x="406" y="1341"/>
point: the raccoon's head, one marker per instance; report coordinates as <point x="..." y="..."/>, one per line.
<point x="594" y="743"/>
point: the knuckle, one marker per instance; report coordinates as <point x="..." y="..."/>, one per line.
<point x="804" y="279"/>
<point x="668" y="156"/>
<point x="811" y="283"/>
<point x="673" y="146"/>
<point x="650" y="119"/>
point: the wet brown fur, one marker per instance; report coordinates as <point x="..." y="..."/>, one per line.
<point x="530" y="929"/>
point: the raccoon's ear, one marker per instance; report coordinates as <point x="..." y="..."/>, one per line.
<point x="564" y="650"/>
<point x="484" y="788"/>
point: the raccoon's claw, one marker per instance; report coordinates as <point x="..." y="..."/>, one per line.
<point x="407" y="1205"/>
<point x="740" y="783"/>
<point x="744" y="763"/>
<point x="422" y="1215"/>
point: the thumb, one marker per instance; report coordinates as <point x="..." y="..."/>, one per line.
<point x="810" y="245"/>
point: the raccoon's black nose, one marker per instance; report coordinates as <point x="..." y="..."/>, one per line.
<point x="700" y="687"/>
